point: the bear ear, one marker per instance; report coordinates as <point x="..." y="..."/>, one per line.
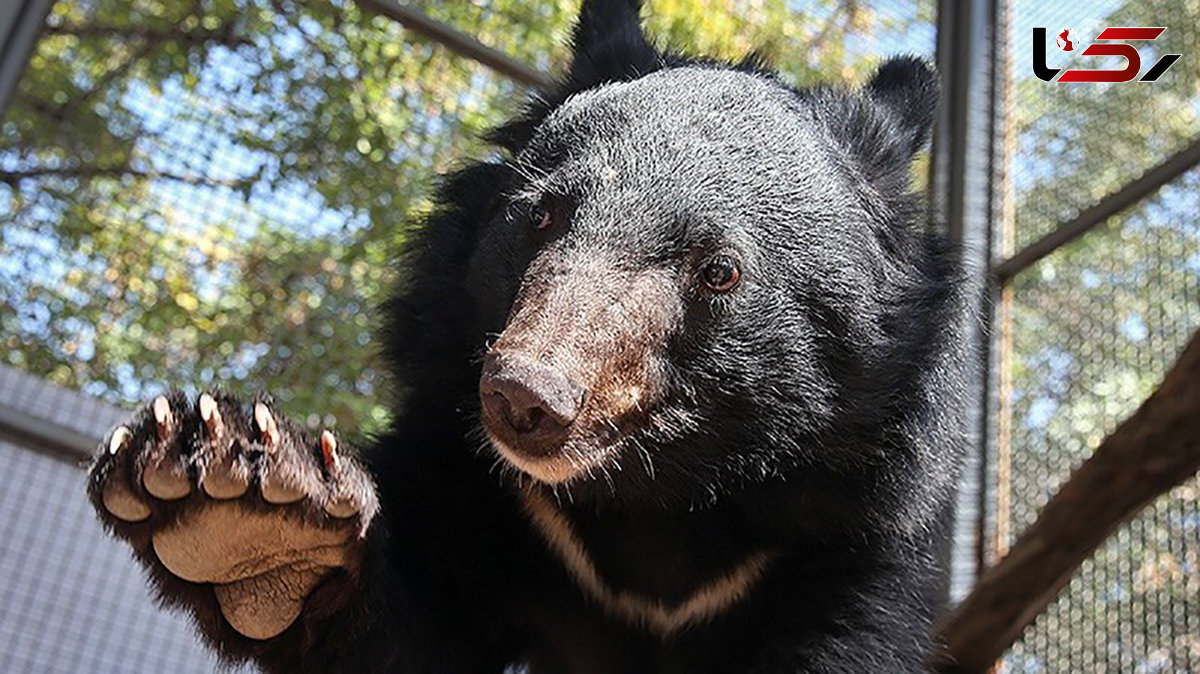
<point x="609" y="44"/>
<point x="907" y="88"/>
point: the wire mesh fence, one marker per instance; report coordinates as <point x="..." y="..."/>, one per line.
<point x="1075" y="144"/>
<point x="1088" y="331"/>
<point x="204" y="193"/>
<point x="72" y="600"/>
<point x="199" y="197"/>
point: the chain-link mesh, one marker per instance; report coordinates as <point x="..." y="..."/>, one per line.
<point x="1075" y="143"/>
<point x="72" y="600"/>
<point x="1090" y="330"/>
<point x="203" y="193"/>
<point x="199" y="198"/>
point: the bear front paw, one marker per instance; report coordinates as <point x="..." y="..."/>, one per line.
<point x="236" y="499"/>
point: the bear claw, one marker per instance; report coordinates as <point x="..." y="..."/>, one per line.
<point x="117" y="498"/>
<point x="329" y="450"/>
<point x="118" y="440"/>
<point x="162" y="417"/>
<point x="266" y="426"/>
<point x="210" y="414"/>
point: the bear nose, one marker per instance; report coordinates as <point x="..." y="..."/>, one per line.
<point x="528" y="396"/>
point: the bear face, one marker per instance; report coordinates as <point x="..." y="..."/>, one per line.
<point x="700" y="277"/>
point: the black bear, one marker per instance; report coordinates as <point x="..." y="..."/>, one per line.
<point x="680" y="376"/>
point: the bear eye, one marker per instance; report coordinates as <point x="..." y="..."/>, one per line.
<point x="540" y="217"/>
<point x="720" y="274"/>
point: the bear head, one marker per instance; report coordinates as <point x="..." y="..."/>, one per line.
<point x="701" y="278"/>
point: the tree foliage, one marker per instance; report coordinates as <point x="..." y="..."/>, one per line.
<point x="210" y="192"/>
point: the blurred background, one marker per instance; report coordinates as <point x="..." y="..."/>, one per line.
<point x="202" y="192"/>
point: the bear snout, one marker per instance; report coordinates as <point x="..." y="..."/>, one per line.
<point x="528" y="403"/>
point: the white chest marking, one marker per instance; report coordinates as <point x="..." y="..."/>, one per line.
<point x="706" y="602"/>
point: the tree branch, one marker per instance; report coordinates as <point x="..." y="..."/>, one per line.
<point x="223" y="35"/>
<point x="14" y="178"/>
<point x="1152" y="451"/>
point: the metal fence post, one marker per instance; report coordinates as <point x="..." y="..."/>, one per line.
<point x="964" y="200"/>
<point x="20" y="25"/>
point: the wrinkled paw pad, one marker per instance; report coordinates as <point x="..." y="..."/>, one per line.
<point x="237" y="498"/>
<point x="262" y="564"/>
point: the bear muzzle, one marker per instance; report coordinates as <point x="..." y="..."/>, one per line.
<point x="577" y="366"/>
<point x="529" y="405"/>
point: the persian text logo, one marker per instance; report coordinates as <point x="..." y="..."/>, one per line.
<point x="1133" y="60"/>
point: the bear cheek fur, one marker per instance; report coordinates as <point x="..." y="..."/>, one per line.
<point x="604" y="326"/>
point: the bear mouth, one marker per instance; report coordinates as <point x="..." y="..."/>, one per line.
<point x="571" y="458"/>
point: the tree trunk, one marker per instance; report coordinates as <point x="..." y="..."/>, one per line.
<point x="1152" y="451"/>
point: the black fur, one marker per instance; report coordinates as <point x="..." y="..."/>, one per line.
<point x="812" y="412"/>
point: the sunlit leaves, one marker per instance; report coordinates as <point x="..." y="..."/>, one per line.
<point x="211" y="193"/>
